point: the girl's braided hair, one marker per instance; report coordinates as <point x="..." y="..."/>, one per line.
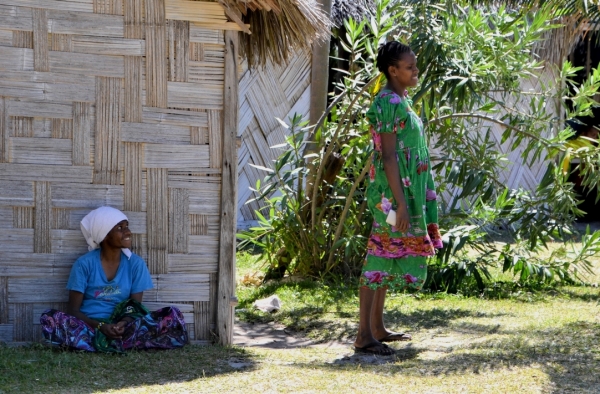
<point x="389" y="54"/>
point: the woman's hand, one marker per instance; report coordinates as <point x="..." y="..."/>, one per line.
<point x="402" y="219"/>
<point x="113" y="331"/>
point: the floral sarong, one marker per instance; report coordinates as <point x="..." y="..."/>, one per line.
<point x="162" y="329"/>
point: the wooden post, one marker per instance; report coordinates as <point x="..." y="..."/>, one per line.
<point x="226" y="286"/>
<point x="4" y="132"/>
<point x="319" y="73"/>
<point x="4" y="300"/>
<point x="319" y="77"/>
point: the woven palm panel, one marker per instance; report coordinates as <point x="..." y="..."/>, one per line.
<point x="119" y="103"/>
<point x="265" y="94"/>
<point x="515" y="174"/>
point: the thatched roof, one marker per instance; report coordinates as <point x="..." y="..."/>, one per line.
<point x="344" y="9"/>
<point x="275" y="28"/>
<point x="577" y="17"/>
<point x="558" y="43"/>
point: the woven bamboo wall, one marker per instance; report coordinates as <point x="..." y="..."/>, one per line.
<point x="525" y="176"/>
<point x="275" y="91"/>
<point x="110" y="102"/>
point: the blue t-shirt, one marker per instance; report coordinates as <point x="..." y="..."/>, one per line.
<point x="101" y="296"/>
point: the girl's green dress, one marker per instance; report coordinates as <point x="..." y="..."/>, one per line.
<point x="394" y="259"/>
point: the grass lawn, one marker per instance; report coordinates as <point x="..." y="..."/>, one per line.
<point x="520" y="342"/>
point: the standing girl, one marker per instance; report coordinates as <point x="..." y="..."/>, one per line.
<point x="400" y="180"/>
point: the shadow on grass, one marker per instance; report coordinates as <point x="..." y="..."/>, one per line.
<point x="37" y="369"/>
<point x="401" y="355"/>
<point x="321" y="312"/>
<point x="323" y="326"/>
<point x="593" y="295"/>
<point x="432" y="318"/>
<point x="569" y="356"/>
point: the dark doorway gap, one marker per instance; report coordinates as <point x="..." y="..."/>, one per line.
<point x="587" y="55"/>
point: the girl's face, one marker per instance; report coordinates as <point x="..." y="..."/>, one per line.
<point x="405" y="73"/>
<point x="119" y="236"/>
<point x="592" y="133"/>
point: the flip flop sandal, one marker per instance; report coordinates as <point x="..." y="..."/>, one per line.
<point x="375" y="348"/>
<point x="396" y="337"/>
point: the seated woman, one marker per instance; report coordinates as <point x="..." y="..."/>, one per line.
<point x="105" y="294"/>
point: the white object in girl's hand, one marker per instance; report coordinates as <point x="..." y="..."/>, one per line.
<point x="391" y="217"/>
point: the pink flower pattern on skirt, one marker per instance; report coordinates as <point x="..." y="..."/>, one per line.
<point x="410" y="279"/>
<point x="375" y="276"/>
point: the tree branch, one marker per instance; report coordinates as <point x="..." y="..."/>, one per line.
<point x="490" y="119"/>
<point x="338" y="231"/>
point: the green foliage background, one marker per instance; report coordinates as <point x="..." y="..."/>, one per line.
<point x="473" y="63"/>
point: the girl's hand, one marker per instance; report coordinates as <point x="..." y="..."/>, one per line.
<point x="402" y="219"/>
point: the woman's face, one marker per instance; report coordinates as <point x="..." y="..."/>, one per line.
<point x="119" y="236"/>
<point x="405" y="73"/>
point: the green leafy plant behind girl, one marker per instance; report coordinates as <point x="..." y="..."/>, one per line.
<point x="400" y="179"/>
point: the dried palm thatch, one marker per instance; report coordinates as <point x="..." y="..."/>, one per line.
<point x="559" y="43"/>
<point x="344" y="9"/>
<point x="278" y="27"/>
<point x="575" y="16"/>
<point x="356" y="9"/>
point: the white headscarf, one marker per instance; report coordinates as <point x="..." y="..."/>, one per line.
<point x="98" y="223"/>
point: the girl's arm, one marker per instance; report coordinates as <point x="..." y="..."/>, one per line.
<point x="392" y="173"/>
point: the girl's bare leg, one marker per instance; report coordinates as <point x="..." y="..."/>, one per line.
<point x="377" y="326"/>
<point x="365" y="336"/>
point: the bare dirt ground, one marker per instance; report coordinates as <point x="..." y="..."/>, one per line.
<point x="275" y="336"/>
<point x="431" y="346"/>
